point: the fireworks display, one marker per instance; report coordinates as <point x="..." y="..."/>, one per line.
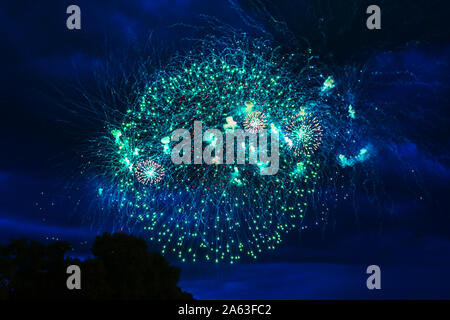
<point x="224" y="212"/>
<point x="259" y="147"/>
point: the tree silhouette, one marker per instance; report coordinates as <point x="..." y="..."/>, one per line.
<point x="121" y="268"/>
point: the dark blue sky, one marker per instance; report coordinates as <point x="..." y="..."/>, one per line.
<point x="408" y="63"/>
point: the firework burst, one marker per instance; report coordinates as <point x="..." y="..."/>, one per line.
<point x="303" y="134"/>
<point x="149" y="172"/>
<point x="255" y="122"/>
<point x="221" y="212"/>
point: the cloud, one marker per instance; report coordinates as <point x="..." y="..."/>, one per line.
<point x="318" y="281"/>
<point x="412" y="268"/>
<point x="18" y="228"/>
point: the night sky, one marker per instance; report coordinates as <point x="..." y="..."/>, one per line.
<point x="44" y="64"/>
